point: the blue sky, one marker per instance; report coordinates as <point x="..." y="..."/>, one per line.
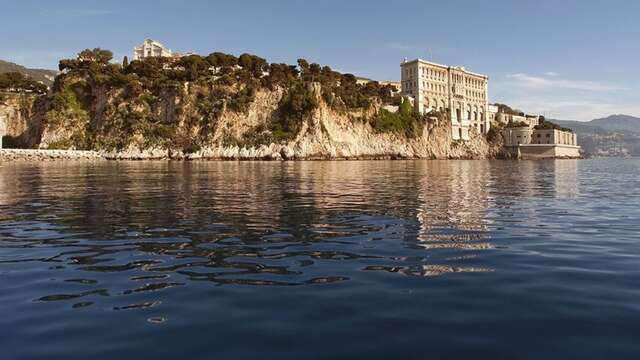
<point x="569" y="59"/>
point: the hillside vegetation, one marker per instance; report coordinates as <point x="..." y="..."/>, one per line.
<point x="618" y="123"/>
<point x="17" y="82"/>
<point x="39" y="75"/>
<point x="180" y="103"/>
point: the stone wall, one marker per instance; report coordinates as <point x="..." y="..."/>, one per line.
<point x="544" y="151"/>
<point x="530" y="120"/>
<point x="514" y="136"/>
<point x="554" y="136"/>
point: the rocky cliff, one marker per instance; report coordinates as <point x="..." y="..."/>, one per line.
<point x="21" y="114"/>
<point x="324" y="134"/>
<point x="238" y="113"/>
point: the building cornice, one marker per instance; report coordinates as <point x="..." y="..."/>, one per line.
<point x="444" y="67"/>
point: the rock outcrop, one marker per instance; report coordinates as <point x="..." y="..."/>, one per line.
<point x="19" y="113"/>
<point x="325" y="133"/>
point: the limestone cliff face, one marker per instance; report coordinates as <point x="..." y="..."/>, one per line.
<point x="324" y="133"/>
<point x="20" y="115"/>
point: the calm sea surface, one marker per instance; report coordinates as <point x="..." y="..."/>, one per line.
<point x="306" y="260"/>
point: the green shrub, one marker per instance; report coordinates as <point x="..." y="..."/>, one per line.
<point x="545" y="124"/>
<point x="296" y="105"/>
<point x="517" y="124"/>
<point x="242" y="100"/>
<point x="493" y="133"/>
<point x="405" y="122"/>
<point x="21" y="83"/>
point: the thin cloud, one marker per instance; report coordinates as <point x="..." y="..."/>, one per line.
<point x="551" y="73"/>
<point x="538" y="82"/>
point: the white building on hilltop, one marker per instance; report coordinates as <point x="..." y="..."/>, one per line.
<point x="150" y="48"/>
<point x="454" y="90"/>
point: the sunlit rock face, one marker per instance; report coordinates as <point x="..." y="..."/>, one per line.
<point x="324" y="133"/>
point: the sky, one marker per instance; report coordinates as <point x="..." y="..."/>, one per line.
<point x="566" y="59"/>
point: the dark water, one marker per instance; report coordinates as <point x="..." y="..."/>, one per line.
<point x="372" y="260"/>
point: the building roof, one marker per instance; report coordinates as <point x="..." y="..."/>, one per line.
<point x="152" y="42"/>
<point x="460" y="68"/>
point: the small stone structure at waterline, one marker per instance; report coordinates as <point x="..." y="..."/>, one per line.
<point x="531" y="143"/>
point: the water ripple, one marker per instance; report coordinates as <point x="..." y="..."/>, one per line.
<point x="377" y="252"/>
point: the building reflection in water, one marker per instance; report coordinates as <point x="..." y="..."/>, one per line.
<point x="453" y="202"/>
<point x="566" y="184"/>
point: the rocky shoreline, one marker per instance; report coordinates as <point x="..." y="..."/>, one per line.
<point x="48" y="155"/>
<point x="53" y="155"/>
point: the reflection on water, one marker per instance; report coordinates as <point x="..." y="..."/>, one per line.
<point x="247" y="223"/>
<point x="154" y="237"/>
<point x="254" y="223"/>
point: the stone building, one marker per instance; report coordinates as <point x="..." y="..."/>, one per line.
<point x="554" y="136"/>
<point x="530" y="120"/>
<point x="460" y="93"/>
<point x="529" y="143"/>
<point x="492" y="112"/>
<point x="150" y="48"/>
<point x="394" y="84"/>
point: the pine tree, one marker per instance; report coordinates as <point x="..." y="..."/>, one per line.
<point x="125" y="62"/>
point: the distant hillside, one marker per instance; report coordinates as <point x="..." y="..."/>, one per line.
<point x="618" y="123"/>
<point x="46" y="76"/>
<point x="616" y="135"/>
<point x="582" y="126"/>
